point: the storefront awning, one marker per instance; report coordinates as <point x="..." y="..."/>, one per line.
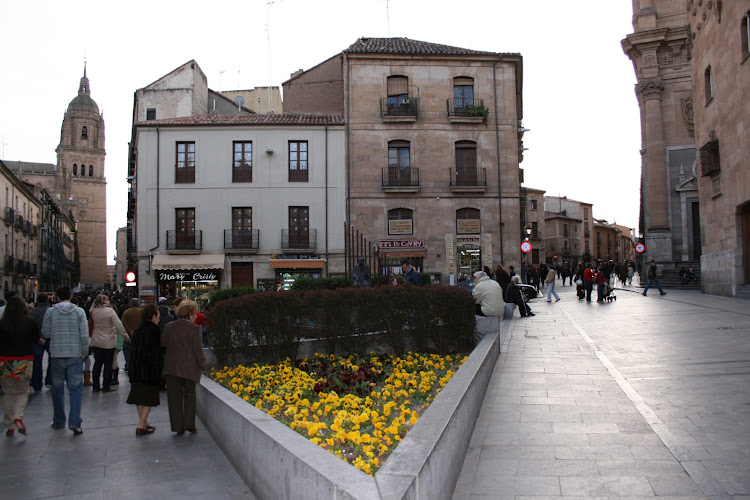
<point x="397" y="254"/>
<point x="297" y="263"/>
<point x="201" y="261"/>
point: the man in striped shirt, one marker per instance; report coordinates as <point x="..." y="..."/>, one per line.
<point x="66" y="327"/>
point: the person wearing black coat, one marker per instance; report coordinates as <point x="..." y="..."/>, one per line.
<point x="513" y="294"/>
<point x="146" y="364"/>
<point x="502" y="277"/>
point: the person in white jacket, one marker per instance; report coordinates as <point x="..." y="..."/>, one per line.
<point x="106" y="327"/>
<point x="488" y="295"/>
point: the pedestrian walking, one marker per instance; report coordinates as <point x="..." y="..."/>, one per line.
<point x="588" y="281"/>
<point x="652" y="280"/>
<point x="550" y="282"/>
<point x="106" y="327"/>
<point x="146" y="364"/>
<point x="37" y="314"/>
<point x="18" y="334"/>
<point x="66" y="328"/>
<point x="601" y="284"/>
<point x="183" y="361"/>
<point x="131" y="320"/>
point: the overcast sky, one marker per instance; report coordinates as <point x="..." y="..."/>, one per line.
<point x="578" y="96"/>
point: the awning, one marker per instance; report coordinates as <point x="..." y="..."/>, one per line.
<point x="398" y="253"/>
<point x="200" y="261"/>
<point x="297" y="263"/>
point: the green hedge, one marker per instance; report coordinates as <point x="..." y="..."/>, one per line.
<point x="305" y="283"/>
<point x="269" y="326"/>
<point x="226" y="293"/>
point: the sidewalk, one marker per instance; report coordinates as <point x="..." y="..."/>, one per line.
<point x="108" y="461"/>
<point x="640" y="397"/>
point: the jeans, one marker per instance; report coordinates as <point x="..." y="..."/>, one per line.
<point x="551" y="291"/>
<point x="589" y="286"/>
<point x="600" y="291"/>
<point x="127" y="351"/>
<point x="67" y="370"/>
<point x="36" y="376"/>
<point x="652" y="282"/>
<point x="102" y="358"/>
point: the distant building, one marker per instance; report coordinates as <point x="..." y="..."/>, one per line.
<point x="605" y="241"/>
<point x="534" y="224"/>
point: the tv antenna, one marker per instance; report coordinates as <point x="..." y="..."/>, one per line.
<point x="387" y="16"/>
<point x="239" y="102"/>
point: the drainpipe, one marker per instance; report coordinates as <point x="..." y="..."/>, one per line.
<point x="348" y="152"/>
<point x="497" y="146"/>
<point x="158" y="212"/>
<point x="326" y="221"/>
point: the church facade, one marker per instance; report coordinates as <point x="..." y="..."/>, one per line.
<point x="77" y="181"/>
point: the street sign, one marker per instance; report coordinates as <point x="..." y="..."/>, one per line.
<point x="640" y="248"/>
<point x="526" y="247"/>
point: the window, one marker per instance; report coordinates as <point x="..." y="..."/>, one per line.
<point x="185" y="165"/>
<point x="533" y="205"/>
<point x="709" y="157"/>
<point x="535" y="230"/>
<point x="398" y="92"/>
<point x="565" y="230"/>
<point x="708" y="82"/>
<point x="586" y="216"/>
<point x="75" y="169"/>
<point x="299" y="227"/>
<point x="84" y="132"/>
<point x="185" y="228"/>
<point x="466" y="163"/>
<point x="150" y="113"/>
<point x="400" y="221"/>
<point x="297" y="161"/>
<point x="468" y="221"/>
<point x="745" y="35"/>
<point x="586" y="229"/>
<point x="463" y="92"/>
<point x="242" y="164"/>
<point x="588" y="249"/>
<point x="91" y="170"/>
<point x="399" y="169"/>
<point x="566" y="250"/>
<point x="242" y="227"/>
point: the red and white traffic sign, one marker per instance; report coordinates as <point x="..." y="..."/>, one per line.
<point x="130" y="276"/>
<point x="640" y="248"/>
<point x="526" y="247"/>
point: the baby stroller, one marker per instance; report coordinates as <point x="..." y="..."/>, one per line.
<point x="609" y="293"/>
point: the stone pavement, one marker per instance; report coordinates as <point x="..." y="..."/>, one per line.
<point x="108" y="461"/>
<point x="644" y="396"/>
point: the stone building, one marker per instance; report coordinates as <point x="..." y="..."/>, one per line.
<point x="577" y="238"/>
<point x="658" y="48"/>
<point x="77" y="181"/>
<point x="605" y="241"/>
<point x="719" y="34"/>
<point x="625" y="247"/>
<point x="534" y="224"/>
<point x="433" y="145"/>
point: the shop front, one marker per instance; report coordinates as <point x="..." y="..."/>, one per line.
<point x="288" y="270"/>
<point x="469" y="254"/>
<point x="193" y="277"/>
<point x="392" y="252"/>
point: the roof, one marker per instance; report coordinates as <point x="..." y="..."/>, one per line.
<point x="30" y="167"/>
<point x="248" y="119"/>
<point x="408" y="46"/>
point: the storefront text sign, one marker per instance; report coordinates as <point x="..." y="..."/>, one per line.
<point x="467" y="226"/>
<point x="401" y="243"/>
<point x="188" y="276"/>
<point x="468" y="239"/>
<point x="487" y="251"/>
<point x="450" y="253"/>
<point x="403" y="226"/>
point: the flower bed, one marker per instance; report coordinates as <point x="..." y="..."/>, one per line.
<point x="358" y="408"/>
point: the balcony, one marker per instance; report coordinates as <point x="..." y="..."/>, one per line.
<point x="298" y="240"/>
<point x="467" y="110"/>
<point x="26" y="227"/>
<point x="9" y="264"/>
<point x="184" y="175"/>
<point x="19" y="222"/>
<point x="10" y="216"/>
<point x="405" y="111"/>
<point x="241" y="240"/>
<point x="34" y="231"/>
<point x="468" y="180"/>
<point x="400" y="180"/>
<point x="184" y="241"/>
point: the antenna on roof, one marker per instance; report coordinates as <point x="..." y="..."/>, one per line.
<point x="388" y="17"/>
<point x="239" y="102"/>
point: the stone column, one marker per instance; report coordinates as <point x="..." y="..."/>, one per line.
<point x="657" y="227"/>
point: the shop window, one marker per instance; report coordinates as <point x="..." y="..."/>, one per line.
<point x="298" y="161"/>
<point x="400" y="221"/>
<point x="468" y="221"/>
<point x="185" y="162"/>
<point x="242" y="163"/>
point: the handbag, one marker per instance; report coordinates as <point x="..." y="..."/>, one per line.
<point x="579" y="282"/>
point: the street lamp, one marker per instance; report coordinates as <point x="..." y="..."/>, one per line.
<point x="528" y="233"/>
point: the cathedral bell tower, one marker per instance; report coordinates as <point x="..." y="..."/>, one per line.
<point x="81" y="182"/>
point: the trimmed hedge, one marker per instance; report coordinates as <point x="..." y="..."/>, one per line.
<point x="226" y="293"/>
<point x="306" y="283"/>
<point x="268" y="327"/>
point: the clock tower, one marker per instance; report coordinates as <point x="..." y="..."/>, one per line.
<point x="80" y="181"/>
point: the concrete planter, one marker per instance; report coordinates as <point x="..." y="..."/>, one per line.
<point x="276" y="462"/>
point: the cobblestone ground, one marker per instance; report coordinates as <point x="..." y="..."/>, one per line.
<point x="643" y="396"/>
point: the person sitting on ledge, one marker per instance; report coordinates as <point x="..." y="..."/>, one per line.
<point x="488" y="295"/>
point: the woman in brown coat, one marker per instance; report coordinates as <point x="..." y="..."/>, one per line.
<point x="183" y="361"/>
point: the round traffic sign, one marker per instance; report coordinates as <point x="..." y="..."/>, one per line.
<point x="526" y="247"/>
<point x="130" y="276"/>
<point x="640" y="248"/>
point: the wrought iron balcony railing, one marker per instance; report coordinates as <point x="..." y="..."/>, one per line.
<point x="19" y="224"/>
<point x="468" y="177"/>
<point x="400" y="177"/>
<point x="241" y="239"/>
<point x="467" y="107"/>
<point x="10" y="216"/>
<point x="298" y="239"/>
<point x="184" y="239"/>
<point x="406" y="107"/>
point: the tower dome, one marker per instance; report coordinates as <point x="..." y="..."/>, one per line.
<point x="83" y="101"/>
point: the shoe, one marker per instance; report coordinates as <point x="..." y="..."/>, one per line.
<point x="549" y="301"/>
<point x="192" y="430"/>
<point x="663" y="293"/>
<point x="9" y="432"/>
<point x="87" y="378"/>
<point x="57" y="427"/>
<point x="109" y="389"/>
<point x="150" y="427"/>
<point x="77" y="431"/>
<point x="143" y="432"/>
<point x="531" y="314"/>
<point x="557" y="300"/>
<point x="21" y="427"/>
<point x="644" y="294"/>
<point x="97" y="389"/>
<point x="115" y="377"/>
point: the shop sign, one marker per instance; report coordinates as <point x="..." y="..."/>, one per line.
<point x="401" y="243"/>
<point x="468" y="239"/>
<point x="487" y="251"/>
<point x="148" y="290"/>
<point x="191" y="275"/>
<point x="403" y="226"/>
<point x="289" y="256"/>
<point x="449" y="254"/>
<point x="467" y="226"/>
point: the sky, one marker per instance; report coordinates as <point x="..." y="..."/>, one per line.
<point x="578" y="85"/>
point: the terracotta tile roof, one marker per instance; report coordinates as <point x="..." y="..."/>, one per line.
<point x="408" y="46"/>
<point x="249" y="119"/>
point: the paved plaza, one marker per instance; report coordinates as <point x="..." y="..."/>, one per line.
<point x="645" y="396"/>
